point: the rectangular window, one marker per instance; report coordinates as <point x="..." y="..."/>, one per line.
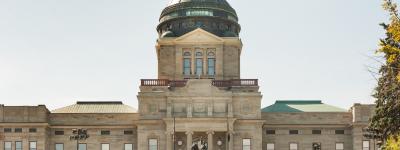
<point x="59" y="146"/>
<point x="293" y="131"/>
<point x="270" y="131"/>
<point x="59" y="132"/>
<point x="339" y="131"/>
<point x="7" y="146"/>
<point x="365" y="145"/>
<point x="32" y="130"/>
<point x="199" y="66"/>
<point x="246" y="144"/>
<point x="18" y="145"/>
<point x="32" y="145"/>
<point x="270" y="146"/>
<point x="186" y="66"/>
<point x="82" y="146"/>
<point x="293" y="146"/>
<point x="105" y="132"/>
<point x="128" y="132"/>
<point x="339" y="146"/>
<point x="105" y="146"/>
<point x="128" y="147"/>
<point x="153" y="144"/>
<point x="7" y="130"/>
<point x="316" y="131"/>
<point x="211" y="66"/>
<point x="18" y="130"/>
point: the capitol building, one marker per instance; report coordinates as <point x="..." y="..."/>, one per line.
<point x="200" y="101"/>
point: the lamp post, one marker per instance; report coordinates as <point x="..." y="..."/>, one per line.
<point x="78" y="134"/>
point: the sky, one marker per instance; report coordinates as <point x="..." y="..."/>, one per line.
<point x="57" y="52"/>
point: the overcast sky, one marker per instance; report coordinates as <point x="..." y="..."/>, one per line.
<point x="57" y="52"/>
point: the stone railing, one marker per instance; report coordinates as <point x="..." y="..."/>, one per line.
<point x="182" y="83"/>
<point x="235" y="82"/>
<point x="163" y="82"/>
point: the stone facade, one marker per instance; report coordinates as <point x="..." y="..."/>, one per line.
<point x="199" y="100"/>
<point x="212" y="121"/>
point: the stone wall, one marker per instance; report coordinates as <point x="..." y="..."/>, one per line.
<point x="308" y="118"/>
<point x="17" y="114"/>
<point x="93" y="119"/>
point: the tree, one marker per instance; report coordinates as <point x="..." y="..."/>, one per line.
<point x="393" y="143"/>
<point x="386" y="122"/>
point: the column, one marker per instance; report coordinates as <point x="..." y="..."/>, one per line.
<point x="210" y="109"/>
<point x="230" y="142"/>
<point x="189" y="110"/>
<point x="189" y="140"/>
<point x="230" y="109"/>
<point x="170" y="141"/>
<point x="169" y="110"/>
<point x="210" y="140"/>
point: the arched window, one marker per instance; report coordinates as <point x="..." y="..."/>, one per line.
<point x="211" y="64"/>
<point x="199" y="54"/>
<point x="187" y="67"/>
<point x="199" y="66"/>
<point x="186" y="54"/>
<point x="199" y="63"/>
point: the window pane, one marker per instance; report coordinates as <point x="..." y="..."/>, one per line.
<point x="186" y="66"/>
<point x="339" y="131"/>
<point x="32" y="130"/>
<point x="153" y="144"/>
<point x="32" y="145"/>
<point x="316" y="132"/>
<point x="18" y="145"/>
<point x="59" y="132"/>
<point x="293" y="146"/>
<point x="339" y="146"/>
<point x="18" y="130"/>
<point x="365" y="145"/>
<point x="105" y="146"/>
<point x="199" y="66"/>
<point x="246" y="144"/>
<point x="211" y="66"/>
<point x="7" y="130"/>
<point x="293" y="131"/>
<point x="270" y="146"/>
<point x="128" y="132"/>
<point x="106" y="132"/>
<point x="7" y="145"/>
<point x="59" y="146"/>
<point x="128" y="147"/>
<point x="82" y="146"/>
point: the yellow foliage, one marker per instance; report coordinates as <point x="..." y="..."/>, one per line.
<point x="398" y="77"/>
<point x="394" y="29"/>
<point x="392" y="58"/>
<point x="393" y="144"/>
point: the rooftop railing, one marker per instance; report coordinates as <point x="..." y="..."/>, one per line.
<point x="182" y="83"/>
<point x="235" y="82"/>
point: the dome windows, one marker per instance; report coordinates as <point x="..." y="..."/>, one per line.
<point x="188" y="15"/>
<point x="196" y="12"/>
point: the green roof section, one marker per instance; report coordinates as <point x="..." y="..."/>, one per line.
<point x="301" y="106"/>
<point x="99" y="107"/>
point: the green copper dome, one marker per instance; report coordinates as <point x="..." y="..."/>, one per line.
<point x="183" y="16"/>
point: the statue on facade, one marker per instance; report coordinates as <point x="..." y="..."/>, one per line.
<point x="200" y="144"/>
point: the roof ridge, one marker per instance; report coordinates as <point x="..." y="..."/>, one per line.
<point x="298" y="102"/>
<point x="99" y="102"/>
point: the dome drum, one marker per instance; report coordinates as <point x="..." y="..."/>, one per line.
<point x="183" y="16"/>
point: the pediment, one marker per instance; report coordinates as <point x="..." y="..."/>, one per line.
<point x="199" y="36"/>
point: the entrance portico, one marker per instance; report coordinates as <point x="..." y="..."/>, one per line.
<point x="200" y="132"/>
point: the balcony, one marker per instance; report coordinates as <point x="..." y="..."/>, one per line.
<point x="163" y="82"/>
<point x="235" y="82"/>
<point x="216" y="83"/>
